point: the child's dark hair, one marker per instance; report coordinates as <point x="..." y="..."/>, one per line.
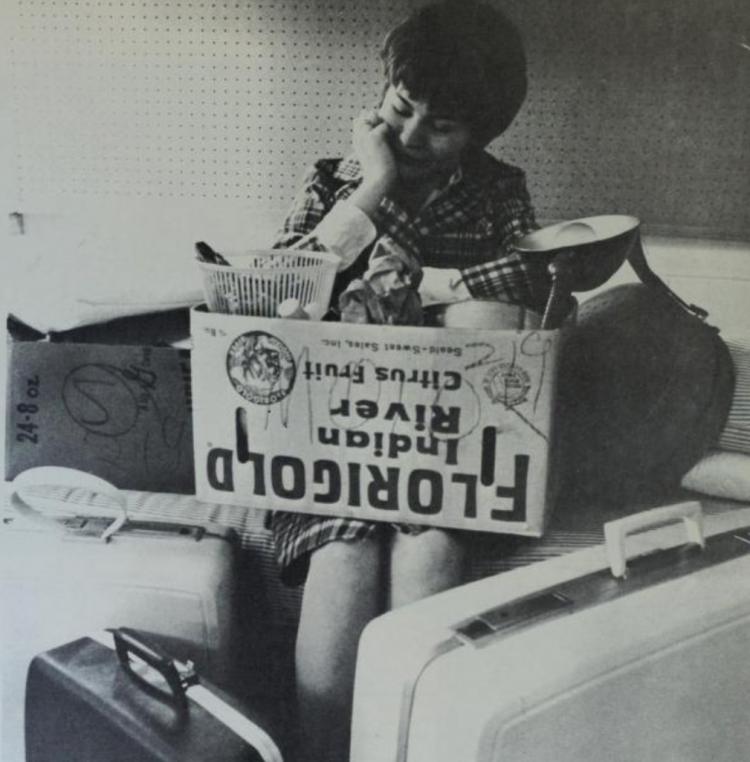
<point x="465" y="58"/>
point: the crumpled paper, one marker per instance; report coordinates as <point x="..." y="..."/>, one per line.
<point x="388" y="293"/>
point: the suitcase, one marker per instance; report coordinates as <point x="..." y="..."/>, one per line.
<point x="71" y="574"/>
<point x="120" y="698"/>
<point x="584" y="657"/>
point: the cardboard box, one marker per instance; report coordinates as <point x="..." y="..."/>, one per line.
<point x="119" y="411"/>
<point x="435" y="426"/>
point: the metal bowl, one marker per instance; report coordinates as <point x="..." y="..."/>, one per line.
<point x="597" y="246"/>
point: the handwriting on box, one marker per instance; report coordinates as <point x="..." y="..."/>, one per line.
<point x="429" y="429"/>
<point x="121" y="412"/>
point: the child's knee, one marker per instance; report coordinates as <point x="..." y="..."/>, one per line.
<point x="342" y="593"/>
<point x="433" y="547"/>
<point x="352" y="564"/>
<point x="425" y="564"/>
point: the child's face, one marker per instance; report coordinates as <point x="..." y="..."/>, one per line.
<point x="427" y="144"/>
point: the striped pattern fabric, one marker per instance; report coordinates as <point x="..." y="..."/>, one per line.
<point x="524" y="551"/>
<point x="736" y="433"/>
<point x="256" y="542"/>
<point x="491" y="555"/>
<point x="275" y="607"/>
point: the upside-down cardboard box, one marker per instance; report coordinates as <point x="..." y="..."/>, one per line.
<point x="103" y="399"/>
<point x="445" y="427"/>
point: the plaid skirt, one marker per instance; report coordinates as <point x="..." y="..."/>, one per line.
<point x="296" y="535"/>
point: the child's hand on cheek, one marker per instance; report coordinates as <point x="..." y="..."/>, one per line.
<point x="372" y="148"/>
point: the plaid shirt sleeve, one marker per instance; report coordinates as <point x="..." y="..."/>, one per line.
<point x="514" y="276"/>
<point x="320" y="221"/>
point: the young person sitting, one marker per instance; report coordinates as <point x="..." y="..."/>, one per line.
<point x="419" y="181"/>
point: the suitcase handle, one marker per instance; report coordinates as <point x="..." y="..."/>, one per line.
<point x="177" y="676"/>
<point x="68" y="477"/>
<point x="615" y="532"/>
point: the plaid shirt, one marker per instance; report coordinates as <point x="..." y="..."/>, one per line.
<point x="470" y="224"/>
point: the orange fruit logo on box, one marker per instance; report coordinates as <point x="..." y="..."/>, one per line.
<point x="261" y="367"/>
<point x="507" y="383"/>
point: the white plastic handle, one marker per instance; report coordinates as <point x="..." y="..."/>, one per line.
<point x="615" y="532"/>
<point x="68" y="477"/>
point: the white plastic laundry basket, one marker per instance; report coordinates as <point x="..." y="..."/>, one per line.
<point x="258" y="281"/>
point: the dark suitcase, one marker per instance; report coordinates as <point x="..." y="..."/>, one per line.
<point x="116" y="698"/>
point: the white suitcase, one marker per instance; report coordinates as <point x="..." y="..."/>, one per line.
<point x="566" y="661"/>
<point x="59" y="578"/>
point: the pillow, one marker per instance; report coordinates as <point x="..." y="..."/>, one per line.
<point x="735" y="435"/>
<point x="101" y="260"/>
<point x="65" y="279"/>
<point x="721" y="474"/>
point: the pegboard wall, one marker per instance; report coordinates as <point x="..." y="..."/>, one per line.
<point x="164" y="98"/>
<point x="638" y="106"/>
<point x="635" y="106"/>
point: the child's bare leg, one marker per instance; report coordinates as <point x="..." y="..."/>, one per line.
<point x="423" y="564"/>
<point x="342" y="593"/>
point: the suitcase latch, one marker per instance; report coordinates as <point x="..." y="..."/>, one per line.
<point x="186" y="672"/>
<point x="86" y="526"/>
<point x="511" y="616"/>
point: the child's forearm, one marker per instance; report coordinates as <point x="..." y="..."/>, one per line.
<point x="369" y="195"/>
